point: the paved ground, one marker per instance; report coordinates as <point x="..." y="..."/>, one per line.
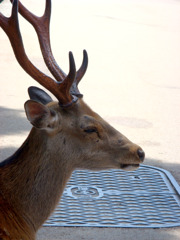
<point x="133" y="81"/>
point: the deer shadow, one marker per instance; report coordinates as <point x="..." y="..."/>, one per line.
<point x="12" y="123"/>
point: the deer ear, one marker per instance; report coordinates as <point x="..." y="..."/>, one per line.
<point x="39" y="95"/>
<point x="39" y="115"/>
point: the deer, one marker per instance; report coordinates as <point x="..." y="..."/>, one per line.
<point x="66" y="135"/>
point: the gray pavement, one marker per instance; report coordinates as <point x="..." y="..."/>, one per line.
<point x="133" y="81"/>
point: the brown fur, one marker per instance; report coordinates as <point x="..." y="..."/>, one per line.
<point x="33" y="179"/>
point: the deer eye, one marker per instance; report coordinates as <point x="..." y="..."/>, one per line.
<point x="91" y="130"/>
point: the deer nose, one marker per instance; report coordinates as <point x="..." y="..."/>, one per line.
<point x="141" y="154"/>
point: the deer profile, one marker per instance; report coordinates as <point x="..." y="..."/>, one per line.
<point x="66" y="135"/>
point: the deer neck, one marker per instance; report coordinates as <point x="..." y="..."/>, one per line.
<point x="34" y="178"/>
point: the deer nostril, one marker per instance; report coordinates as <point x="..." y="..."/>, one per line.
<point x="141" y="154"/>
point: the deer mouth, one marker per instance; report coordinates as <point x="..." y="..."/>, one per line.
<point x="129" y="167"/>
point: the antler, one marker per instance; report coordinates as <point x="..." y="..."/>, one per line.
<point x="65" y="86"/>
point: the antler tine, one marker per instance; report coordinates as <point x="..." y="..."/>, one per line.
<point x="79" y="75"/>
<point x="5" y="21"/>
<point x="11" y="27"/>
<point x="83" y="68"/>
<point x="41" y="25"/>
<point x="68" y="81"/>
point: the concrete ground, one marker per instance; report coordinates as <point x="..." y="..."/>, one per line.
<point x="133" y="81"/>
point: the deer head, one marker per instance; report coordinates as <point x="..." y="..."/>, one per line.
<point x="66" y="133"/>
<point x="93" y="142"/>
